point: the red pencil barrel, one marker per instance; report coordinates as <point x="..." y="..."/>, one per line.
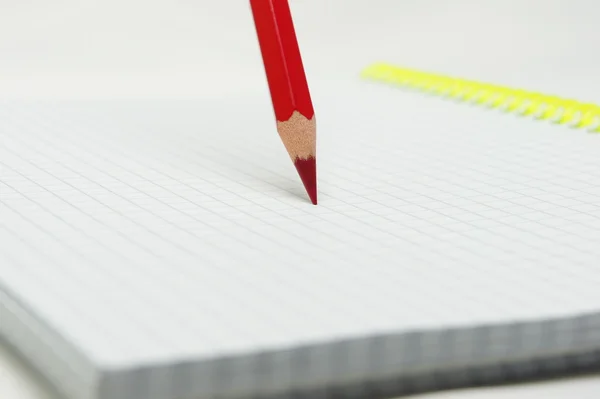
<point x="281" y="58"/>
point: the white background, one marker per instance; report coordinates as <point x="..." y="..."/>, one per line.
<point x="196" y="48"/>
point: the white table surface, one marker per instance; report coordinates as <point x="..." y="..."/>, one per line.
<point x="114" y="49"/>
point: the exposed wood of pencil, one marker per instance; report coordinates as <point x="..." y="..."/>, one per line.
<point x="288" y="87"/>
<point x="299" y="135"/>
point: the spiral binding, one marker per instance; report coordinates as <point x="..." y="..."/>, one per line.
<point x="540" y="106"/>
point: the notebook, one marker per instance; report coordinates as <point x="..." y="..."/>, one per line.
<point x="166" y="250"/>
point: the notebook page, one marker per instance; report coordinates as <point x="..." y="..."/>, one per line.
<point x="153" y="231"/>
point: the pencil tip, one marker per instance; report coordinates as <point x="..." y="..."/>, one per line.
<point x="307" y="169"/>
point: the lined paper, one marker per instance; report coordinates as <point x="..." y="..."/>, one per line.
<point x="155" y="234"/>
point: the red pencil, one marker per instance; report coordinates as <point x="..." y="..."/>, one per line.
<point x="289" y="90"/>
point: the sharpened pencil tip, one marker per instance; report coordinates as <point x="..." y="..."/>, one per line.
<point x="307" y="169"/>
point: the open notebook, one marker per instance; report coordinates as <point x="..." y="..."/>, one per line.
<point x="166" y="250"/>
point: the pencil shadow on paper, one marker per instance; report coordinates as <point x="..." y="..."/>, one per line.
<point x="281" y="185"/>
<point x="259" y="164"/>
<point x="275" y="179"/>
